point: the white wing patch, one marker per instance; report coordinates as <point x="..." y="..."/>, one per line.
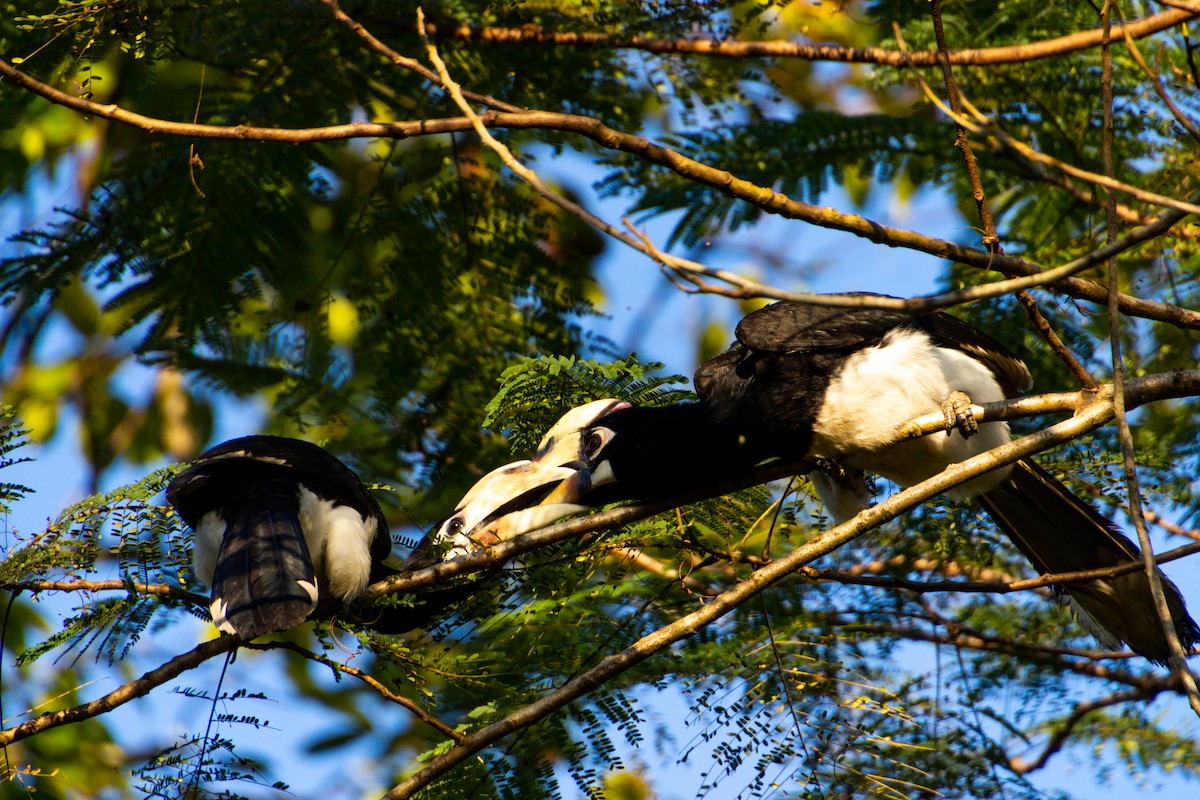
<point x="879" y="388"/>
<point x="217" y="609"/>
<point x="339" y="542"/>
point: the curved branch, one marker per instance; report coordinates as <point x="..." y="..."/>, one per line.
<point x="1160" y="386"/>
<point x="591" y="128"/>
<point x="368" y="679"/>
<point x="118" y="697"/>
<point x="1060" y="736"/>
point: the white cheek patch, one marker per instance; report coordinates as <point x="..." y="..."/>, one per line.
<point x="206" y="545"/>
<point x="339" y="543"/>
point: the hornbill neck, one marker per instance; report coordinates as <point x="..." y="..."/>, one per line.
<point x="666" y="451"/>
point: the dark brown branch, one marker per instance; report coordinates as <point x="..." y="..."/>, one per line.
<point x="991" y="241"/>
<point x="990" y="587"/>
<point x="1063" y="733"/>
<point x="130" y="691"/>
<point x="1056" y="344"/>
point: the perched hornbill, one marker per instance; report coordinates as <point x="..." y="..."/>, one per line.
<point x="280" y="523"/>
<point x="834" y="384"/>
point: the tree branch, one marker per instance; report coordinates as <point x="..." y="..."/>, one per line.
<point x="387" y="694"/>
<point x="764" y="198"/>
<point x="118" y="697"/>
<point x="1094" y="415"/>
<point x="1162" y="386"/>
<point x="1010" y="54"/>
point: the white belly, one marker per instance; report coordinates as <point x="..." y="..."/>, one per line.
<point x="880" y="388"/>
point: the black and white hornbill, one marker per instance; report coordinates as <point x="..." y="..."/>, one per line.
<point x="834" y="384"/>
<point x="280" y="524"/>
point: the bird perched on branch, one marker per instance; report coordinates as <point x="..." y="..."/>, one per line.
<point x="833" y="384"/>
<point x="280" y="523"/>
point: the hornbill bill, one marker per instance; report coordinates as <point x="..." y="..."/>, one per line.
<point x="833" y="385"/>
<point x="280" y="523"/>
<point x="508" y="501"/>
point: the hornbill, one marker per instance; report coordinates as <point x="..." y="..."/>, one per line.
<point x="279" y="523"/>
<point x="833" y="384"/>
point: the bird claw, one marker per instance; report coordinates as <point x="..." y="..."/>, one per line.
<point x="830" y="468"/>
<point x="957" y="410"/>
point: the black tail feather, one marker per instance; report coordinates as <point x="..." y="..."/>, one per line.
<point x="264" y="579"/>
<point x="1058" y="532"/>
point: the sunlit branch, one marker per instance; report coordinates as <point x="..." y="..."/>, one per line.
<point x="1161" y="386"/>
<point x="157" y="589"/>
<point x="118" y="697"/>
<point x="764" y="198"/>
<point x="732" y="48"/>
<point x="985" y="126"/>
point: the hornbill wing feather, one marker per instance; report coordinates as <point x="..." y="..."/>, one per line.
<point x="799" y="328"/>
<point x="263" y="581"/>
<point x="1058" y="532"/>
<point x="795" y="328"/>
<point x="280" y="516"/>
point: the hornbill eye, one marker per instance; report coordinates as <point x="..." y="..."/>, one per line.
<point x="594" y="442"/>
<point x="454" y="525"/>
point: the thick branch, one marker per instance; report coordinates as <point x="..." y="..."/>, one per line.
<point x="130" y="691"/>
<point x="1009" y="54"/>
<point x="617" y="663"/>
<point x="1162" y="386"/>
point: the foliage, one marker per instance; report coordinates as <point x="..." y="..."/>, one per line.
<point x="411" y="304"/>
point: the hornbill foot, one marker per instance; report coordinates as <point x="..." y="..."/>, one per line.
<point x="830" y="468"/>
<point x="957" y="410"/>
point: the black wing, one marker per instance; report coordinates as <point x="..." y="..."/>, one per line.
<point x="226" y="469"/>
<point x="798" y="328"/>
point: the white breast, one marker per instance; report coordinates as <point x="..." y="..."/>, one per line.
<point x="880" y="388"/>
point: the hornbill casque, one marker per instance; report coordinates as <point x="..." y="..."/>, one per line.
<point x="833" y="385"/>
<point x="280" y="524"/>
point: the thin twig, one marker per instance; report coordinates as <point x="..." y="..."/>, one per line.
<point x="991" y="240"/>
<point x="368" y="679"/>
<point x="1161" y="90"/>
<point x="1178" y="658"/>
<point x="1056" y="344"/>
